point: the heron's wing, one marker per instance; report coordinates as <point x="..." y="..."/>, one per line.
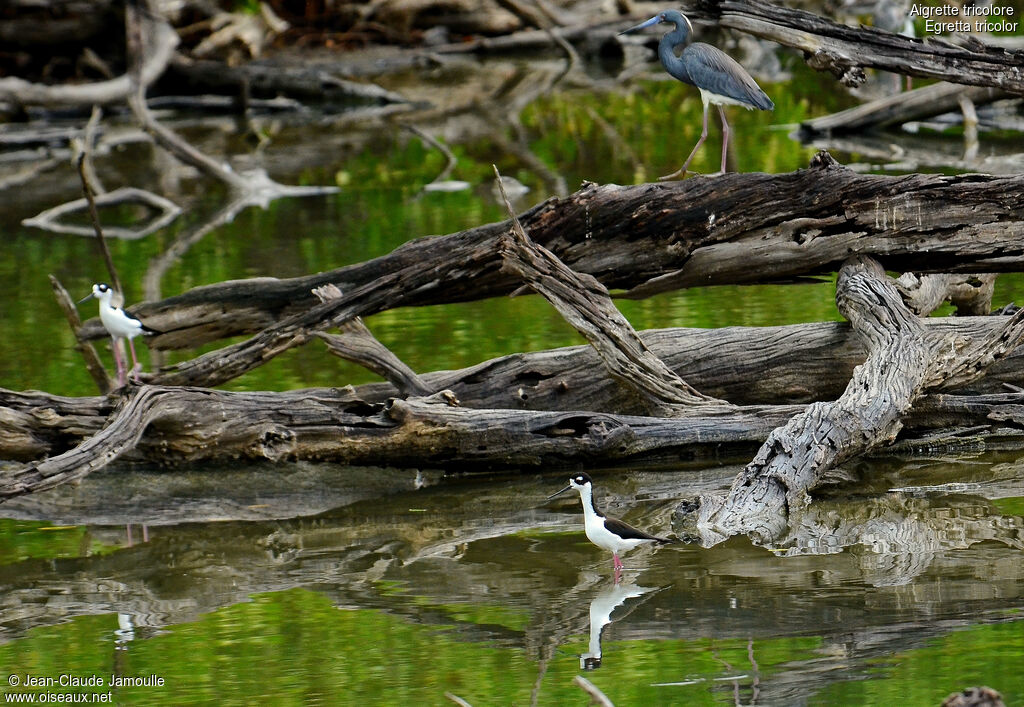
<point x="716" y="72"/>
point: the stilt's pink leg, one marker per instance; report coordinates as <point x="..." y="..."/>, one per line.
<point x="136" y="366"/>
<point x="122" y="376"/>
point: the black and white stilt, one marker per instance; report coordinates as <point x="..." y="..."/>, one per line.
<point x="120" y="325"/>
<point x="608" y="533"/>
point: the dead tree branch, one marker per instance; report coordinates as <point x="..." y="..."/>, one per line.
<point x="88" y="351"/>
<point x="587" y="307"/>
<point x="357" y="344"/>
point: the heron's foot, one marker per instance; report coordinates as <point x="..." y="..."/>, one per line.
<point x="678" y="174"/>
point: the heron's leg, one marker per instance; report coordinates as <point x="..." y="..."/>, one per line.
<point x="703" y="136"/>
<point x="725" y="137"/>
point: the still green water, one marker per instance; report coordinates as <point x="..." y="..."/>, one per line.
<point x="323" y="585"/>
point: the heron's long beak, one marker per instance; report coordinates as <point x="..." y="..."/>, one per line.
<point x="643" y="25"/>
<point x="558" y="493"/>
<point x="86" y="298"/>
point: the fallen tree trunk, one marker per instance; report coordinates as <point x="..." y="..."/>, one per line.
<point x="646" y="239"/>
<point x="903" y="363"/>
<point x="170" y="426"/>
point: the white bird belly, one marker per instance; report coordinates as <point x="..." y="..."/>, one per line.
<point x="604" y="538"/>
<point x="720" y="100"/>
<point x="118" y="325"/>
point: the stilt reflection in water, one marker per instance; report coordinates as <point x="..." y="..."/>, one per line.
<point x="614" y="595"/>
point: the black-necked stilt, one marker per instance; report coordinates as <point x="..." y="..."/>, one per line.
<point x="120" y="325"/>
<point x="721" y="80"/>
<point x="611" y="534"/>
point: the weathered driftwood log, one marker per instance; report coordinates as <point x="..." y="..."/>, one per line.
<point x="796" y="363"/>
<point x="736" y="228"/>
<point x="846" y="51"/>
<point x="921" y="103"/>
<point x="199" y="424"/>
<point x="903" y="363"/>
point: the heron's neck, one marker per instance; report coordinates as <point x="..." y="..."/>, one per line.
<point x="666" y="52"/>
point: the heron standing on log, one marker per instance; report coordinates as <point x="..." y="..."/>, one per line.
<point x="721" y="80"/>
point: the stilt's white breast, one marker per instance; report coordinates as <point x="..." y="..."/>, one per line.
<point x="118" y="324"/>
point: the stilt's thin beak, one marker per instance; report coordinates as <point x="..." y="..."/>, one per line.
<point x="643" y="25"/>
<point x="558" y="493"/>
<point x="86" y="298"/>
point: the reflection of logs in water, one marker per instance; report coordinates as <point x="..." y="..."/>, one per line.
<point x="903" y="535"/>
<point x="433" y="544"/>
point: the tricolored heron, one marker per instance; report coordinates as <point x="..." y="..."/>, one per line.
<point x="720" y="79"/>
<point x="120" y="325"/>
<point x="608" y="533"/>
